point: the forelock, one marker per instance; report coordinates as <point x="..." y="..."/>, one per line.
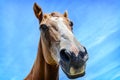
<point x="56" y="14"/>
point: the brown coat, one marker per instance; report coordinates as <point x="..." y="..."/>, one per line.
<point x="41" y="70"/>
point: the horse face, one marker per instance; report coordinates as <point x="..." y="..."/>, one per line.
<point x="56" y="31"/>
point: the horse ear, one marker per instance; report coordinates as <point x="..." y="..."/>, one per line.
<point x="38" y="12"/>
<point x="65" y="14"/>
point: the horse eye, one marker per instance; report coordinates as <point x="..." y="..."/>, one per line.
<point x="44" y="27"/>
<point x="71" y="23"/>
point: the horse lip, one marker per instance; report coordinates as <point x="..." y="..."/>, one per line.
<point x="75" y="76"/>
<point x="71" y="76"/>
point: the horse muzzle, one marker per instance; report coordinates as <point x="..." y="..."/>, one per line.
<point x="73" y="73"/>
<point x="73" y="66"/>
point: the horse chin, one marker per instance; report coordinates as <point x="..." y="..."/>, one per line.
<point x="72" y="75"/>
<point x="75" y="76"/>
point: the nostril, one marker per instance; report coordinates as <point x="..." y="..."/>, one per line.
<point x="82" y="55"/>
<point x="64" y="55"/>
<point x="85" y="50"/>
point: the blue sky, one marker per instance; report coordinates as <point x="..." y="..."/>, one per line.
<point x="96" y="25"/>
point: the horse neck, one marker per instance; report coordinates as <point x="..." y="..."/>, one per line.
<point x="45" y="71"/>
<point x="41" y="70"/>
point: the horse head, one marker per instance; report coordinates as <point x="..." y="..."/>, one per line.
<point x="59" y="44"/>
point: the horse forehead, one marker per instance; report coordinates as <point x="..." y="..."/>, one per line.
<point x="53" y="14"/>
<point x="54" y="21"/>
<point x="57" y="19"/>
<point x="61" y="24"/>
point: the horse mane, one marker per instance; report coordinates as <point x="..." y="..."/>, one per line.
<point x="56" y="14"/>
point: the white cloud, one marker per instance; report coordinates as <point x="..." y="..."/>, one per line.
<point x="14" y="78"/>
<point x="98" y="40"/>
<point x="117" y="75"/>
<point x="103" y="70"/>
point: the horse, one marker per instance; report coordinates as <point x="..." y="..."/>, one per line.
<point x="57" y="47"/>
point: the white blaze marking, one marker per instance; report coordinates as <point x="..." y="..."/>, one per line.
<point x="62" y="27"/>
